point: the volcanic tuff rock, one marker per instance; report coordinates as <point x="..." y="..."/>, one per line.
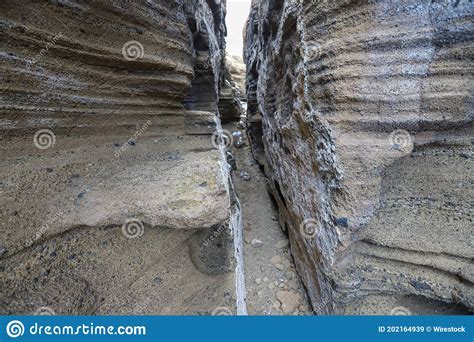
<point x="361" y="114"/>
<point x="95" y="138"/>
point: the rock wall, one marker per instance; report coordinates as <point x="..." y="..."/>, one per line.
<point x="108" y="172"/>
<point x="361" y="114"/>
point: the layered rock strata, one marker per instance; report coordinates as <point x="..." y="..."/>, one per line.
<point x="115" y="199"/>
<point x="361" y="115"/>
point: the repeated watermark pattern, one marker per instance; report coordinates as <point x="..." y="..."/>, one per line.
<point x="223" y="138"/>
<point x="46" y="226"/>
<point x="132" y="50"/>
<point x="400" y="311"/>
<point x="133" y="139"/>
<point x="401" y="140"/>
<point x="133" y="228"/>
<point x="309" y="228"/>
<point x="44" y="139"/>
<point x="44" y="311"/>
<point x="222" y="311"/>
<point x="314" y="51"/>
<point x="44" y="51"/>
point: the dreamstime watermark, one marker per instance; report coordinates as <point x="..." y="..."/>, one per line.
<point x="215" y="234"/>
<point x="222" y="311"/>
<point x="44" y="311"/>
<point x="15" y="329"/>
<point x="44" y="139"/>
<point x="400" y="311"/>
<point x="132" y="50"/>
<point x="46" y="226"/>
<point x="223" y="138"/>
<point x="133" y="228"/>
<point x="401" y="140"/>
<point x="314" y="51"/>
<point x="309" y="228"/>
<point x="44" y="51"/>
<point x="133" y="139"/>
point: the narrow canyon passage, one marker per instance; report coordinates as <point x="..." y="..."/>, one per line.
<point x="147" y="170"/>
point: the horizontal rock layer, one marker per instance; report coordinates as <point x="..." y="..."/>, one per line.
<point x="361" y="114"/>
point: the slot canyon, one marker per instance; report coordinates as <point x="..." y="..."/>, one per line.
<point x="326" y="171"/>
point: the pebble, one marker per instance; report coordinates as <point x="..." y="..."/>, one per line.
<point x="342" y="222"/>
<point x="239" y="143"/>
<point x="260" y="294"/>
<point x="271" y="286"/>
<point x="157" y="280"/>
<point x="420" y="285"/>
<point x="258" y="281"/>
<point x="275" y="259"/>
<point x="245" y="176"/>
<point x="3" y="250"/>
<point x="280" y="267"/>
<point x="289" y="301"/>
<point x="53" y="254"/>
<point x="257" y="243"/>
<point x="237" y="134"/>
<point x="265" y="279"/>
<point x="72" y="257"/>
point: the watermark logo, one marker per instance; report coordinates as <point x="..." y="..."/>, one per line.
<point x="314" y="51"/>
<point x="309" y="228"/>
<point x="132" y="50"/>
<point x="401" y="140"/>
<point x="15" y="329"/>
<point x="44" y="139"/>
<point x="400" y="311"/>
<point x="223" y="138"/>
<point x="44" y="311"/>
<point x="222" y="311"/>
<point x="133" y="228"/>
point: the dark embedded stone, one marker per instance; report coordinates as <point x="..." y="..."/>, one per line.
<point x="53" y="254"/>
<point x="48" y="169"/>
<point x="420" y="286"/>
<point x="342" y="222"/>
<point x="116" y="144"/>
<point x="72" y="257"/>
<point x="157" y="280"/>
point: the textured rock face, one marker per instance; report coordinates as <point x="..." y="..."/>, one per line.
<point x="108" y="168"/>
<point x="361" y="114"/>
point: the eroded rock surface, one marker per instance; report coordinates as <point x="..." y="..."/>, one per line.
<point x="361" y="114"/>
<point x="108" y="169"/>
